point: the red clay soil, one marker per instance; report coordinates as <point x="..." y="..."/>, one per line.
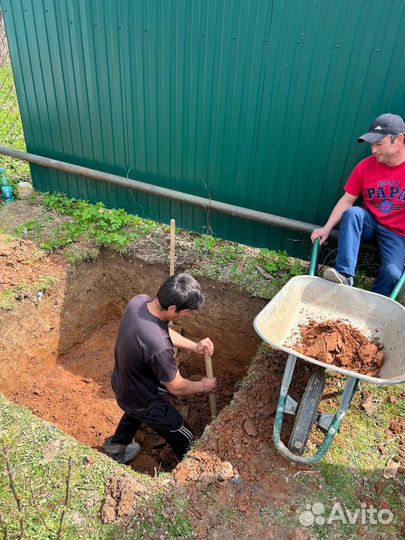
<point x="242" y="436"/>
<point x="76" y="395"/>
<point x="22" y="264"/>
<point x="338" y="343"/>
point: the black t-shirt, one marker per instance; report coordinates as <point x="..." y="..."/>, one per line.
<point x="144" y="357"/>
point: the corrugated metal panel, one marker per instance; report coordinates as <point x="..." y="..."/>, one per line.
<point x="256" y="103"/>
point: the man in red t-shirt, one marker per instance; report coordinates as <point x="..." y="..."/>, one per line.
<point x="380" y="181"/>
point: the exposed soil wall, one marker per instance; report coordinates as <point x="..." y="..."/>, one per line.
<point x="58" y="356"/>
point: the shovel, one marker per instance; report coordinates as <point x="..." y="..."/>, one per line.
<point x="172" y="257"/>
<point x="211" y="395"/>
<point x="172" y="245"/>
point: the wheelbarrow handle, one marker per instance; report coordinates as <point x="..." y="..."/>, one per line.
<point x="398" y="287"/>
<point x="316" y="246"/>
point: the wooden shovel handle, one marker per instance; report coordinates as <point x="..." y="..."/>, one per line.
<point x="210" y="374"/>
<point x="172" y="245"/>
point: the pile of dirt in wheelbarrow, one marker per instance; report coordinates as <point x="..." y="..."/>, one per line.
<point x="338" y="343"/>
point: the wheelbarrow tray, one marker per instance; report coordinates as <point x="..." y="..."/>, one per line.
<point x="306" y="298"/>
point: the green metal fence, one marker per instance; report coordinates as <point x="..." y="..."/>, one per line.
<point x="255" y="103"/>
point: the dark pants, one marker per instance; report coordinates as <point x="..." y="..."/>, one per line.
<point x="162" y="418"/>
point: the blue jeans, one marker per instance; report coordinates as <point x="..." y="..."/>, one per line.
<point x="358" y="224"/>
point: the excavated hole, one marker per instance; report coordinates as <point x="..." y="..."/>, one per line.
<point x="62" y="366"/>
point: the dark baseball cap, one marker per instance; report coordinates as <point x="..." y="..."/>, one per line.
<point x="386" y="124"/>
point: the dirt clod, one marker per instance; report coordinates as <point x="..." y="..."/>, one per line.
<point x="391" y="469"/>
<point x="368" y="404"/>
<point x="250" y="428"/>
<point x="380" y="487"/>
<point x="202" y="468"/>
<point x="397" y="426"/>
<point x="340" y="344"/>
<point x="122" y="495"/>
<point x="225" y="471"/>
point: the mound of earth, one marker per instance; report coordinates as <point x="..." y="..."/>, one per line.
<point x="338" y="343"/>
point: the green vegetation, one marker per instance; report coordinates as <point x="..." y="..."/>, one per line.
<point x="79" y="229"/>
<point x="34" y="228"/>
<point x="53" y="474"/>
<point x="205" y="243"/>
<point x="279" y="262"/>
<point x="352" y="470"/>
<point x="11" y="131"/>
<point x="172" y="524"/>
<point x="106" y="227"/>
<point x="261" y="272"/>
<point x="84" y="229"/>
<point x="365" y="434"/>
<point x="38" y="455"/>
<point x="80" y="252"/>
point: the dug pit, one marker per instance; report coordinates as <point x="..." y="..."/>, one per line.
<point x="57" y="355"/>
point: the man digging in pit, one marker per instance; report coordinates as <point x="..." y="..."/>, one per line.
<point x="146" y="371"/>
<point x="380" y="180"/>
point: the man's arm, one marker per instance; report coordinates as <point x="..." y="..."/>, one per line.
<point x="345" y="202"/>
<point x="183" y="387"/>
<point x="181" y="342"/>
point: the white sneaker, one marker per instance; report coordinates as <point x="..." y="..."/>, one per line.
<point x="333" y="275"/>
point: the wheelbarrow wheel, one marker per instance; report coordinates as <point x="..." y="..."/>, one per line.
<point x="307" y="412"/>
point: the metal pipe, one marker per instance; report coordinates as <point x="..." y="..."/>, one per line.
<point x="207" y="204"/>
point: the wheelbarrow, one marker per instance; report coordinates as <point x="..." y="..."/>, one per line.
<point x="309" y="297"/>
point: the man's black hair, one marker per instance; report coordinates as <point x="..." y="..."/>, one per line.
<point x="182" y="291"/>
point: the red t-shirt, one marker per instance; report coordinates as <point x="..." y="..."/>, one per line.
<point x="383" y="191"/>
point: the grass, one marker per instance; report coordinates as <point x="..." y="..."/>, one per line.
<point x="51" y="236"/>
<point x="80" y="252"/>
<point x="261" y="272"/>
<point x="166" y="519"/>
<point x="79" y="229"/>
<point x="362" y="433"/>
<point x="11" y="131"/>
<point x="352" y="471"/>
<point x="341" y="489"/>
<point x="39" y="455"/>
<point x="93" y="222"/>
